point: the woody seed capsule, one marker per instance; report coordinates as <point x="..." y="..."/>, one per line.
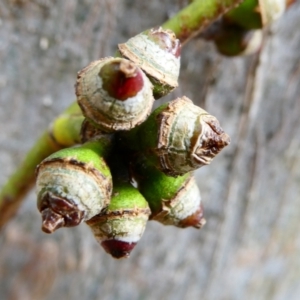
<point x="180" y="137"/>
<point x="238" y="41"/>
<point x="173" y="200"/>
<point x="114" y="94"/>
<point x="119" y="227"/>
<point x="73" y="185"/>
<point x="255" y="14"/>
<point x="157" y="53"/>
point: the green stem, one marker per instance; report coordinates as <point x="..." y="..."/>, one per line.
<point x="64" y="132"/>
<point x="197" y="16"/>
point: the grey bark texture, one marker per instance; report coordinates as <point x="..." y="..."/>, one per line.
<point x="249" y="248"/>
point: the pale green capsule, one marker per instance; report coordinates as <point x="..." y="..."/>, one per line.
<point x="114" y="94"/>
<point x="73" y="185"/>
<point x="181" y="137"/>
<point x="119" y="227"/>
<point x="157" y="53"/>
<point x="173" y="200"/>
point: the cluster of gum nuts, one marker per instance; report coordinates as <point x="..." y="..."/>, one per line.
<point x="239" y="31"/>
<point x="132" y="165"/>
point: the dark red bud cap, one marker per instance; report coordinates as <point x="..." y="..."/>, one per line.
<point x="118" y="249"/>
<point x="121" y="79"/>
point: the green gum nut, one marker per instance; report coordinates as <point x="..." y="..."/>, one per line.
<point x="246" y="15"/>
<point x="65" y="129"/>
<point x="255" y="14"/>
<point x="157" y="53"/>
<point x="173" y="201"/>
<point x="73" y="185"/>
<point x="181" y="137"/>
<point x="120" y="226"/>
<point x="114" y="94"/>
<point x="238" y="41"/>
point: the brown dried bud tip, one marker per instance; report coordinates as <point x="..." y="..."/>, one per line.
<point x="57" y="212"/>
<point x="212" y="140"/>
<point x="188" y="138"/>
<point x="195" y="220"/>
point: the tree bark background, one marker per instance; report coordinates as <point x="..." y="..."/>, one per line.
<point x="249" y="248"/>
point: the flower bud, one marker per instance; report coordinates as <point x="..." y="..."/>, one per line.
<point x="65" y="129"/>
<point x="255" y="14"/>
<point x="238" y="41"/>
<point x="173" y="200"/>
<point x="114" y="94"/>
<point x="247" y="15"/>
<point x="180" y="137"/>
<point x="120" y="226"/>
<point x="157" y="53"/>
<point x="73" y="185"/>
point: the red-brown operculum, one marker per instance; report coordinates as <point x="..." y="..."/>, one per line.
<point x="121" y="79"/>
<point x="195" y="220"/>
<point x="117" y="248"/>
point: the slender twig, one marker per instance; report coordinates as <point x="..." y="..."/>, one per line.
<point x="63" y="133"/>
<point x="197" y="16"/>
<point x="65" y="129"/>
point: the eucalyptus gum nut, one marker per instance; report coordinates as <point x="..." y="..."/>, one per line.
<point x="120" y="226"/>
<point x="96" y="89"/>
<point x="187" y="137"/>
<point x="246" y="15"/>
<point x="184" y="209"/>
<point x="255" y="14"/>
<point x="173" y="200"/>
<point x="154" y="185"/>
<point x="64" y="130"/>
<point x="237" y="41"/>
<point x="157" y="53"/>
<point x="73" y="185"/>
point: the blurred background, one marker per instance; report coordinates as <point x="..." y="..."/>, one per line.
<point x="249" y="248"/>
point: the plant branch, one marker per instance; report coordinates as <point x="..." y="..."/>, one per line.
<point x="197" y="16"/>
<point x="63" y="132"/>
